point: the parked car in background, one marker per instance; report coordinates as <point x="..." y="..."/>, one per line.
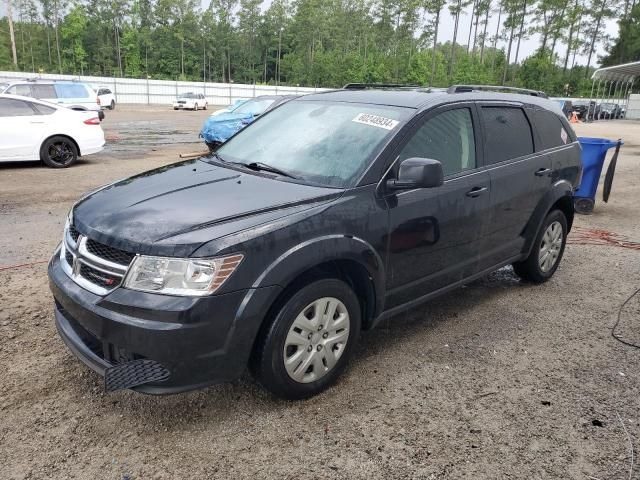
<point x="581" y="107"/>
<point x="74" y="95"/>
<point x="220" y="127"/>
<point x="35" y="130"/>
<point x="609" y="110"/>
<point x="329" y="215"/>
<point x="190" y="101"/>
<point x="107" y="97"/>
<point x="230" y="108"/>
<point x="566" y="106"/>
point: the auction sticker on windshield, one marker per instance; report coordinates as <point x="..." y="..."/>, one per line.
<point x="376" y="121"/>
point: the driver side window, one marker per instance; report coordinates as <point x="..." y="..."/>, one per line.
<point x="448" y="137"/>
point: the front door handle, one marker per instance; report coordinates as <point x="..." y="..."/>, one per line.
<point x="476" y="192"/>
<point x="542" y="172"/>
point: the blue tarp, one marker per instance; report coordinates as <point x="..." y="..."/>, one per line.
<point x="220" y="127"/>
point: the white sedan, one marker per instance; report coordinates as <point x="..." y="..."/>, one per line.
<point x="36" y="130"/>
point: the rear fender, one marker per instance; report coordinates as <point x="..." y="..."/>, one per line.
<point x="560" y="189"/>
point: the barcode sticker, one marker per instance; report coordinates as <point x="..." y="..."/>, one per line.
<point x="376" y="121"/>
<point x="563" y="135"/>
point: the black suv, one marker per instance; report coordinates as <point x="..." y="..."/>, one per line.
<point x="329" y="214"/>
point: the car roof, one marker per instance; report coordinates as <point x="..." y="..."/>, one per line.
<point x="43" y="80"/>
<point x="423" y="98"/>
<point x="31" y="99"/>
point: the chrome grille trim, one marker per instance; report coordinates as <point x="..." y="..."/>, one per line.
<point x="81" y="256"/>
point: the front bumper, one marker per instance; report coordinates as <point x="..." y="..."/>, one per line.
<point x="199" y="341"/>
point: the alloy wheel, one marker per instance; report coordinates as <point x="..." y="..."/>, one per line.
<point x="60" y="153"/>
<point x="316" y="339"/>
<point x="550" y="246"/>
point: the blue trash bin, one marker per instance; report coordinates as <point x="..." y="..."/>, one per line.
<point x="594" y="151"/>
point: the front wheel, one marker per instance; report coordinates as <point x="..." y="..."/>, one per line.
<point x="113" y="105"/>
<point x="547" y="250"/>
<point x="58" y="152"/>
<point x="195" y="107"/>
<point x="307" y="345"/>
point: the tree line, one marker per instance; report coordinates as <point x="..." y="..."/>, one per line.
<point x="324" y="43"/>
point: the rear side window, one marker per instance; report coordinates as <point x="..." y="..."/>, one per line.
<point x="447" y="137"/>
<point x="43" y="109"/>
<point x="70" y="90"/>
<point x="22" y="89"/>
<point x="14" y="108"/>
<point x="550" y="129"/>
<point x="43" y="91"/>
<point x="507" y="133"/>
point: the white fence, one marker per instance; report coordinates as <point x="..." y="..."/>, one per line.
<point x="633" y="109"/>
<point x="163" y="92"/>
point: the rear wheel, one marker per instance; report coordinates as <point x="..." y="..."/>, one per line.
<point x="58" y="152"/>
<point x="195" y="107"/>
<point x="308" y="343"/>
<point x="547" y="250"/>
<point x="113" y="105"/>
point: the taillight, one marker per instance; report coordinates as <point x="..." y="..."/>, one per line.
<point x="98" y="100"/>
<point x="92" y="121"/>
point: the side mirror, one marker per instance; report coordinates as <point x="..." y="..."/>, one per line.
<point x="418" y="173"/>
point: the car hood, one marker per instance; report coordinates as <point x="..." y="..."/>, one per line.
<point x="175" y="209"/>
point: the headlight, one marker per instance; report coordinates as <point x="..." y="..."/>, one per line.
<point x="180" y="276"/>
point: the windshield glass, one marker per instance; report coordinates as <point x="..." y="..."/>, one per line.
<point x="581" y="103"/>
<point x="321" y="142"/>
<point x="255" y="107"/>
<point x="186" y="95"/>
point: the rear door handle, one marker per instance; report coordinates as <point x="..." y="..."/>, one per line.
<point x="476" y="192"/>
<point x="542" y="172"/>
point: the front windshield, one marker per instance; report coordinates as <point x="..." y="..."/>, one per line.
<point x="254" y="107"/>
<point x="329" y="143"/>
<point x="186" y="95"/>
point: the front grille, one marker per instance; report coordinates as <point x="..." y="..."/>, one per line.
<point x="109" y="253"/>
<point x="105" y="280"/>
<point x="96" y="267"/>
<point x="73" y="233"/>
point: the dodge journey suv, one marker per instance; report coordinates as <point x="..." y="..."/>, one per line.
<point x="327" y="215"/>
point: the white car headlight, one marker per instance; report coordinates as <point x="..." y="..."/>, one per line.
<point x="180" y="276"/>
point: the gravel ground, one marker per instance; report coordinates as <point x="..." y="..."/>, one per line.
<point x="498" y="379"/>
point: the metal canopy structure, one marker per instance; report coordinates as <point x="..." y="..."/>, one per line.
<point x="612" y="85"/>
<point x="619" y="73"/>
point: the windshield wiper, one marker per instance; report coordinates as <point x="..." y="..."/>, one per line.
<point x="259" y="166"/>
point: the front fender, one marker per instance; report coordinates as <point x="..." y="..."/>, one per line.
<point x="311" y="253"/>
<point x="559" y="190"/>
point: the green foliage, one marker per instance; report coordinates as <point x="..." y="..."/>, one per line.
<point x="316" y="42"/>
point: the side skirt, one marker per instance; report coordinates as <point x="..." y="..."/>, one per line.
<point x="436" y="293"/>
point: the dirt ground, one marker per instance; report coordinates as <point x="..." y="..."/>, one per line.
<point x="498" y="379"/>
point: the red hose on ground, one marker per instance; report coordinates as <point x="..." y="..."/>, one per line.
<point x="594" y="236"/>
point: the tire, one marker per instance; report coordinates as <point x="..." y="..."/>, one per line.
<point x="58" y="152"/>
<point x="195" y="107"/>
<point x="309" y="340"/>
<point x="175" y="108"/>
<point x="549" y="240"/>
<point x="205" y="107"/>
<point x="113" y="105"/>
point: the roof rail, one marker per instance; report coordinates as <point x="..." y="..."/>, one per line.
<point x="495" y="88"/>
<point x="364" y="86"/>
